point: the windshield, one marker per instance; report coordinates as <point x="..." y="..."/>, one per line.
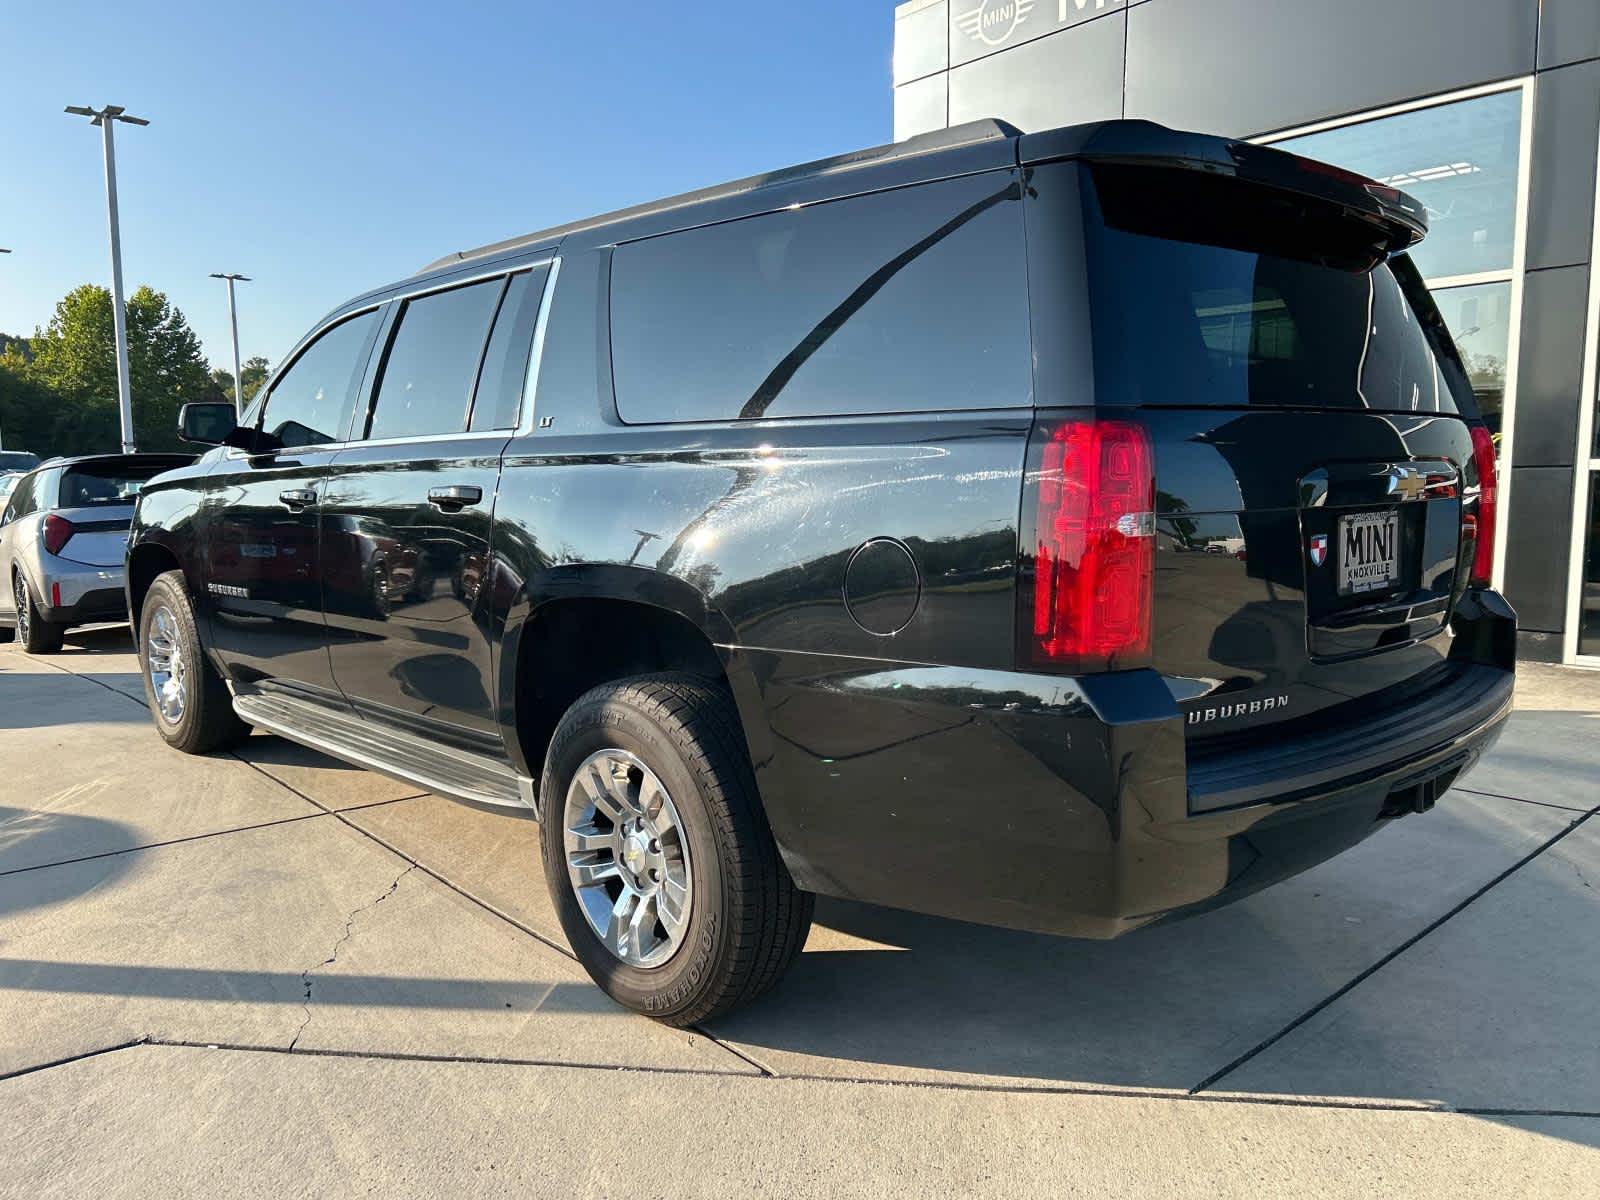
<point x="18" y="460"/>
<point x="1214" y="291"/>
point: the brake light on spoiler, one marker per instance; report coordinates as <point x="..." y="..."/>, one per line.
<point x="1090" y="501"/>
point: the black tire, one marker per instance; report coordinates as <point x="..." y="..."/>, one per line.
<point x="207" y="721"/>
<point x="747" y="921"/>
<point x="37" y="635"/>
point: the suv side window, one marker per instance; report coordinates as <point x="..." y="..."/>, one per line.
<point x="311" y="402"/>
<point x="432" y="364"/>
<point x="21" y="502"/>
<point x="912" y="300"/>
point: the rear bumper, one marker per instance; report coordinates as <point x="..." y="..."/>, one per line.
<point x="86" y="593"/>
<point x="1300" y="817"/>
<point x="1467" y="699"/>
<point x="1069" y="805"/>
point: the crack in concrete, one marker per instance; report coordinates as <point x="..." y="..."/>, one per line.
<point x="333" y="954"/>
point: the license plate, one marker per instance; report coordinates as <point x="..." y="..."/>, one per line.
<point x="1369" y="552"/>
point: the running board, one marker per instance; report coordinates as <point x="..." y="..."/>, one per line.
<point x="459" y="774"/>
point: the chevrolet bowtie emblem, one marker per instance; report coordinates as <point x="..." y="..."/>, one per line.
<point x="1407" y="482"/>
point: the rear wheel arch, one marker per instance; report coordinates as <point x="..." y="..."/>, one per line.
<point x="569" y="645"/>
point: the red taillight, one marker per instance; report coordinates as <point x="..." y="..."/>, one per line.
<point x="1481" y="523"/>
<point x="57" y="533"/>
<point x="1093" y="546"/>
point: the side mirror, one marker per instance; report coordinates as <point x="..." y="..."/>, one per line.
<point x="206" y="423"/>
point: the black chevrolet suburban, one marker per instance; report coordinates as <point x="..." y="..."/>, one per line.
<point x="1063" y="531"/>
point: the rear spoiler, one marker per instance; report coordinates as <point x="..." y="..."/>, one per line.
<point x="1144" y="143"/>
<point x="123" y="462"/>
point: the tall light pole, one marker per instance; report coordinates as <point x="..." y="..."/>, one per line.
<point x="106" y="118"/>
<point x="233" y="317"/>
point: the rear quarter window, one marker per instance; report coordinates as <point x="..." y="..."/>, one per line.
<point x="21" y="502"/>
<point x="911" y="300"/>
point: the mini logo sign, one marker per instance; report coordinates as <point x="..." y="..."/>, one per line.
<point x="1319" y="549"/>
<point x="227" y="589"/>
<point x="994" y="21"/>
<point x="993" y="24"/>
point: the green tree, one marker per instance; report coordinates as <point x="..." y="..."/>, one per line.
<point x="74" y="359"/>
<point x="254" y="371"/>
<point x="27" y="411"/>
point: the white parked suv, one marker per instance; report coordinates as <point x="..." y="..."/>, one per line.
<point x="63" y="535"/>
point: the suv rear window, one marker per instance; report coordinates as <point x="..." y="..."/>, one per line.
<point x="89" y="485"/>
<point x="912" y="300"/>
<point x="1212" y="291"/>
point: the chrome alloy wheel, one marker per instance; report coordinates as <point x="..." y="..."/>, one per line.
<point x="628" y="858"/>
<point x="169" y="671"/>
<point x="20" y="595"/>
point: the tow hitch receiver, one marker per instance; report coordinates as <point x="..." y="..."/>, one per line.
<point x="1419" y="793"/>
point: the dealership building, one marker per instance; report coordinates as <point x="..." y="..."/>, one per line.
<point x="1488" y="111"/>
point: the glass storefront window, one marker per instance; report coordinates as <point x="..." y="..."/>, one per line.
<point x="1459" y="159"/>
<point x="1479" y="318"/>
<point x="1589" y="589"/>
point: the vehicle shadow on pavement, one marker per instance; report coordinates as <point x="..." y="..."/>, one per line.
<point x="32" y="836"/>
<point x="97" y="639"/>
<point x="888" y="994"/>
<point x="26" y="704"/>
<point x="1155" y="1009"/>
<point x="276" y="987"/>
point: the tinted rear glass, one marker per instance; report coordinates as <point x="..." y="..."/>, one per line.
<point x="1209" y="291"/>
<point x="505" y="362"/>
<point x="911" y="300"/>
<point x="21" y="502"/>
<point x="88" y="486"/>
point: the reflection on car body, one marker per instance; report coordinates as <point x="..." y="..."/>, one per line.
<point x="954" y="527"/>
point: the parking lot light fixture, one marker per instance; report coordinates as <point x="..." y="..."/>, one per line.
<point x="233" y="318"/>
<point x="106" y="118"/>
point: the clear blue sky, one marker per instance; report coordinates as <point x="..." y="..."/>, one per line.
<point x="326" y="148"/>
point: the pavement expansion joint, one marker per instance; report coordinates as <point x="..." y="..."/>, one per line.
<point x="35" y="1068"/>
<point x="1216" y="1076"/>
<point x="1342" y="1103"/>
<point x="1572" y="808"/>
<point x="333" y="954"/>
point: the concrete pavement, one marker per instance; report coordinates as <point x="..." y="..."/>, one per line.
<point x="396" y="1006"/>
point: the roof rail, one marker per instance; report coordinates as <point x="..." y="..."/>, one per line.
<point x="988" y="129"/>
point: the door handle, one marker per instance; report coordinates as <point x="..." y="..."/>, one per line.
<point x="454" y="497"/>
<point x="297" y="498"/>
